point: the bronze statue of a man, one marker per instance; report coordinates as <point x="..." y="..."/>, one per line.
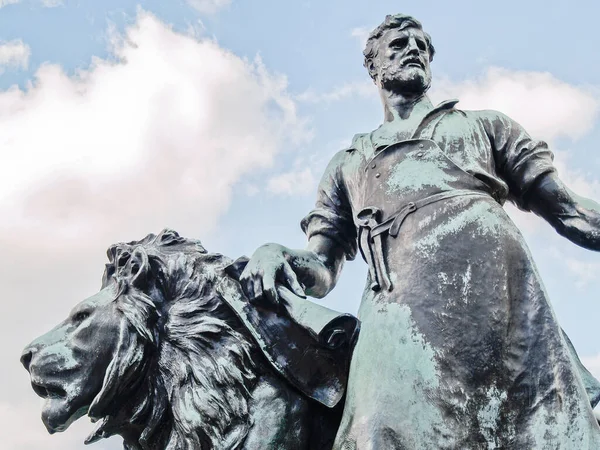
<point x="459" y="346"/>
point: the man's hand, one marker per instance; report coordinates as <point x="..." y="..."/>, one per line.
<point x="574" y="217"/>
<point x="583" y="228"/>
<point x="270" y="265"/>
<point x="313" y="271"/>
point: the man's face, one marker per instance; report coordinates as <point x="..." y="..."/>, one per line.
<point x="402" y="61"/>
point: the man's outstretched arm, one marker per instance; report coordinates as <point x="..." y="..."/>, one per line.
<point x="313" y="271"/>
<point x="574" y="217"/>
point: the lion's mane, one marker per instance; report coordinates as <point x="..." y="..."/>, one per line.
<point x="184" y="367"/>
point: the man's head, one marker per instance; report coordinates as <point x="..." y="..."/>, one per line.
<point x="397" y="55"/>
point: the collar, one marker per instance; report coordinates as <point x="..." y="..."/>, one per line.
<point x="360" y="140"/>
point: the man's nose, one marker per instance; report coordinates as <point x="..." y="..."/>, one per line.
<point x="26" y="357"/>
<point x="412" y="45"/>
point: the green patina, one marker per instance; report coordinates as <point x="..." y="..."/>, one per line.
<point x="489" y="416"/>
<point x="415" y="360"/>
<point x="414" y="174"/>
<point x="56" y="344"/>
<point x="483" y="214"/>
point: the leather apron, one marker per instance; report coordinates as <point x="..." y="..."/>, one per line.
<point x="384" y="210"/>
<point x="459" y="347"/>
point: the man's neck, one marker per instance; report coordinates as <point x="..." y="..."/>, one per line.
<point x="401" y="107"/>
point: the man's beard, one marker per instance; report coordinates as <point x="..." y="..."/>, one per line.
<point x="411" y="81"/>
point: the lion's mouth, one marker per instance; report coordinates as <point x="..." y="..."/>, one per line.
<point x="48" y="390"/>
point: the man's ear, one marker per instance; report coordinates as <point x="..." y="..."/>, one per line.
<point x="370" y="65"/>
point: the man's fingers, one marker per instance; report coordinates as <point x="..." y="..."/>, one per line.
<point x="292" y="281"/>
<point x="251" y="285"/>
<point x="258" y="288"/>
<point x="248" y="287"/>
<point x="270" y="291"/>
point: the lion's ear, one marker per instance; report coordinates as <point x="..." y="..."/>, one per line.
<point x="128" y="262"/>
<point x="139" y="266"/>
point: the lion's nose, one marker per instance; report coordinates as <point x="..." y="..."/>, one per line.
<point x="26" y="357"/>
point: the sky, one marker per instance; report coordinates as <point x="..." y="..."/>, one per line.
<point x="217" y="117"/>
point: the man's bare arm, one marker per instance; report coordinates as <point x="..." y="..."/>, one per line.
<point x="313" y="271"/>
<point x="574" y="217"/>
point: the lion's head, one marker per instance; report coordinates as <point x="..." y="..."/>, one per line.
<point x="155" y="354"/>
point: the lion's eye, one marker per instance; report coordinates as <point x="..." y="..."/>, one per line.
<point x="81" y="316"/>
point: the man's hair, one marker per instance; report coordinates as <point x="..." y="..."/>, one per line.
<point x="400" y="21"/>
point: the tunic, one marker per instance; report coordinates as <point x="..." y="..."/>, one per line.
<point x="460" y="349"/>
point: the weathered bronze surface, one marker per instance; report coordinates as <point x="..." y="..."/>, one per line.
<point x="170" y="355"/>
<point x="459" y="347"/>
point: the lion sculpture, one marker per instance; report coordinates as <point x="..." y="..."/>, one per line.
<point x="160" y="359"/>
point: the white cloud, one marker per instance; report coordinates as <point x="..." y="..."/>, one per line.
<point x="295" y="182"/>
<point x="251" y="190"/>
<point x="209" y="6"/>
<point x="582" y="183"/>
<point x="45" y="3"/>
<point x="346" y="90"/>
<point x="8" y="2"/>
<point x="592" y="363"/>
<point x="585" y="273"/>
<point x="14" y="54"/>
<point x="52" y="3"/>
<point x="546" y="106"/>
<point x="528" y="223"/>
<point x="155" y="136"/>
<point x="361" y="34"/>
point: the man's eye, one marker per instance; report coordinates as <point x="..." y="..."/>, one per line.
<point x="422" y="45"/>
<point x="399" y="43"/>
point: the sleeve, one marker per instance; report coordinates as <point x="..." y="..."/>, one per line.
<point x="332" y="215"/>
<point x="520" y="160"/>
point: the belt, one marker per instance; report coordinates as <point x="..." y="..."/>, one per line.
<point x="371" y="231"/>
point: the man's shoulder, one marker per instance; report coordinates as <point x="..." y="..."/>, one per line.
<point x="359" y="140"/>
<point x="348" y="159"/>
<point x="496" y="124"/>
<point x="491" y="121"/>
<point x="487" y="115"/>
<point x="359" y="143"/>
